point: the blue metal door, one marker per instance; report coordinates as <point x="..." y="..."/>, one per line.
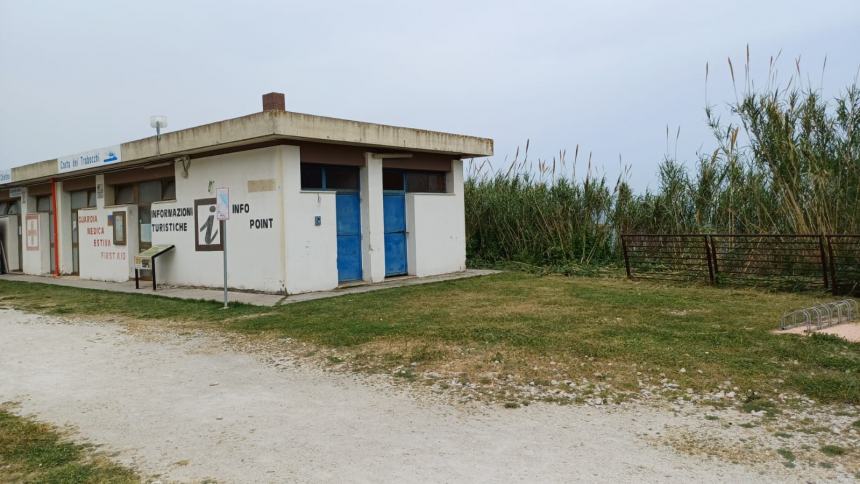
<point x="394" y="209"/>
<point x="348" y="209"/>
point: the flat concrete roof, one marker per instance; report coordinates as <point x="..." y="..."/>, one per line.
<point x="267" y="126"/>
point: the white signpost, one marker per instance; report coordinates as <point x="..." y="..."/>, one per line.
<point x="222" y="214"/>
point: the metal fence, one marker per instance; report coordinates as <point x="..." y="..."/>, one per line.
<point x="843" y="253"/>
<point x="679" y="257"/>
<point x="779" y="261"/>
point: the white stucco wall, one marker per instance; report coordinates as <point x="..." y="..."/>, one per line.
<point x="38" y="262"/>
<point x="100" y="259"/>
<point x="436" y="226"/>
<point x="255" y="259"/>
<point x="372" y="220"/>
<point x="35" y="262"/>
<point x="310" y="250"/>
<point x="436" y="239"/>
<point x="64" y="221"/>
<point x="273" y="241"/>
<point x="9" y="223"/>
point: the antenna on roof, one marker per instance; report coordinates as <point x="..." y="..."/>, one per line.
<point x="158" y="122"/>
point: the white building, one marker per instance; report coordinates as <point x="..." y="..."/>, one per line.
<point x="316" y="203"/>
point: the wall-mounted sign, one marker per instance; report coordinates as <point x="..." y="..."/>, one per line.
<point x="31" y="230"/>
<point x="209" y="236"/>
<point x="16" y="192"/>
<point x="119" y="228"/>
<point x="170" y="219"/>
<point x="89" y="159"/>
<point x="5" y="176"/>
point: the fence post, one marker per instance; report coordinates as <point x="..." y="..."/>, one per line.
<point x="823" y="260"/>
<point x="834" y="286"/>
<point x="714" y="259"/>
<point x="709" y="257"/>
<point x="626" y="259"/>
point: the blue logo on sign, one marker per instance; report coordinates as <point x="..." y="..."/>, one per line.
<point x="110" y="157"/>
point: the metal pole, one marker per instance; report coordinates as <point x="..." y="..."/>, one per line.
<point x="626" y="259"/>
<point x="834" y="283"/>
<point x="224" y="250"/>
<point x="714" y="258"/>
<point x="708" y="258"/>
<point x="823" y="261"/>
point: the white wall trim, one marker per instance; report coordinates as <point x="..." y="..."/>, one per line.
<point x="372" y="223"/>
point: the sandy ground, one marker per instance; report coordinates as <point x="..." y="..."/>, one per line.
<point x="186" y="408"/>
<point x="849" y="331"/>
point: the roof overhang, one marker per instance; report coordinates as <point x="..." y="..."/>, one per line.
<point x="271" y="126"/>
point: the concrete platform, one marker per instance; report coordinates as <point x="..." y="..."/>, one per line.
<point x="256" y="299"/>
<point x="848" y="331"/>
<point x="171" y="292"/>
<point x="395" y="282"/>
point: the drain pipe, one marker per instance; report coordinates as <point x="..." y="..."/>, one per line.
<point x="56" y="253"/>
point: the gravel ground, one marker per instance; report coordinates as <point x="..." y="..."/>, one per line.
<point x="188" y="408"/>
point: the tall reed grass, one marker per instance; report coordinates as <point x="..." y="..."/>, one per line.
<point x="787" y="161"/>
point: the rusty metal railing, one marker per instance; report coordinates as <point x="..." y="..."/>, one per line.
<point x="844" y="256"/>
<point x="780" y="261"/>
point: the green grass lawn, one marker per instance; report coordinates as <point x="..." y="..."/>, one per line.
<point x="534" y="327"/>
<point x="36" y="452"/>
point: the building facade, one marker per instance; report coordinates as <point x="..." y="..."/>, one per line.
<point x="315" y="203"/>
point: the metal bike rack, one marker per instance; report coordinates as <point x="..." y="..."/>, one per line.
<point x="820" y="316"/>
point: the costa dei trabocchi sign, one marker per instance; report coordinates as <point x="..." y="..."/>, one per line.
<point x="89" y="159"/>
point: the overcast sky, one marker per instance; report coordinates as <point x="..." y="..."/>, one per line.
<point x="607" y="75"/>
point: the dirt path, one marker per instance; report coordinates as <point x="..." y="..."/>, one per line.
<point x="187" y="409"/>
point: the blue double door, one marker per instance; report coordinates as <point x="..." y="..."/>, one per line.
<point x="348" y="208"/>
<point x="394" y="221"/>
<point x="348" y="211"/>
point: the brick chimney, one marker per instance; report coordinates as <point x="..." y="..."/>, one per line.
<point x="274" y="101"/>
